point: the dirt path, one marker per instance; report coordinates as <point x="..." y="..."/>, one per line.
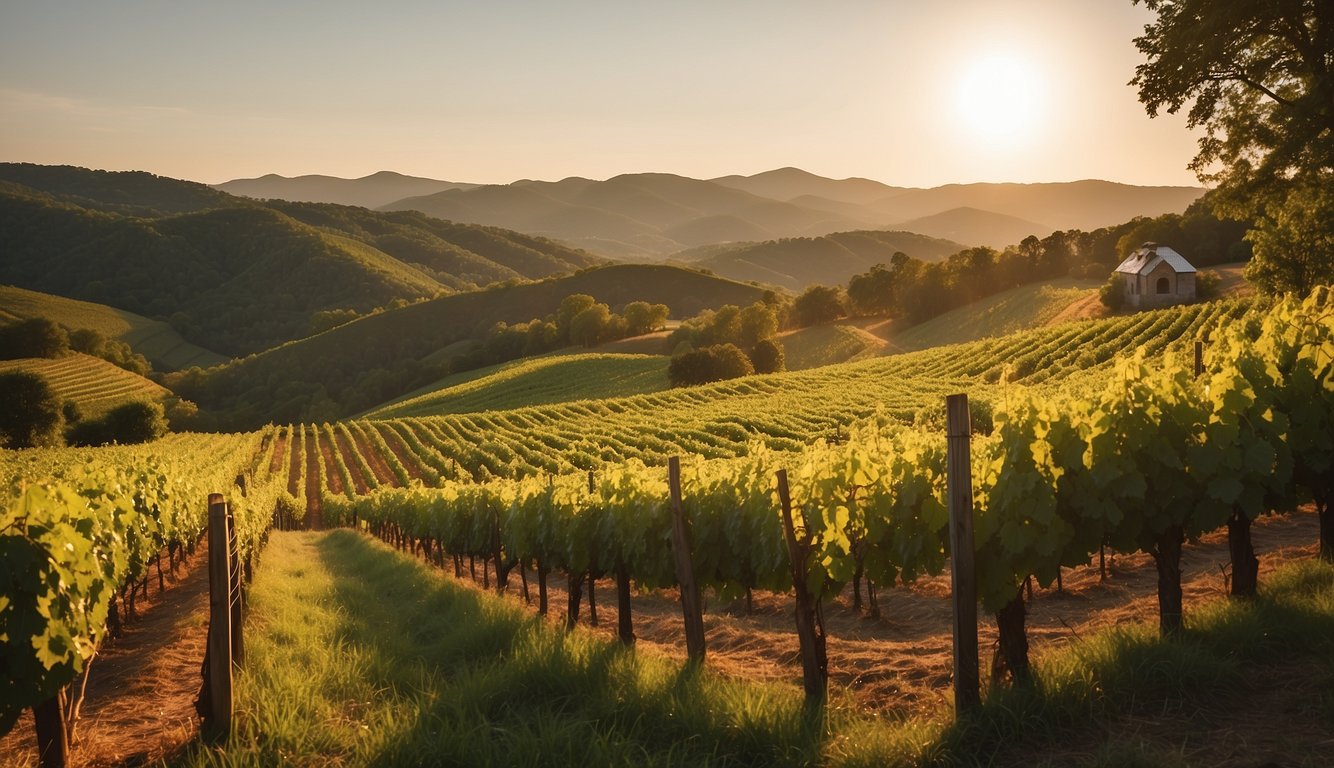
<point x="296" y="440"/>
<point x="1082" y="309"/>
<point x="901" y="662"/>
<point x="139" y="704"/>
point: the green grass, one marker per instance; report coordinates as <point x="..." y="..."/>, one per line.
<point x="360" y="655"/>
<point x="827" y="345"/>
<point x="153" y="339"/>
<point x="534" y="381"/>
<point x="96" y="385"/>
<point x="1027" y="306"/>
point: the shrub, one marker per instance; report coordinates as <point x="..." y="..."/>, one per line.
<point x="715" y="363"/>
<point x="134" y="422"/>
<point x="767" y="357"/>
<point x="1112" y="294"/>
<point x="36" y="337"/>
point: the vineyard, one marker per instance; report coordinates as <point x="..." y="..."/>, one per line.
<point x="96" y="385"/>
<point x="785" y="411"/>
<point x="1094" y="436"/>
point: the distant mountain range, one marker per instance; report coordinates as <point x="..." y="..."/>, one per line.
<point x="371" y="191"/>
<point x="653" y="215"/>
<point x="234" y="275"/>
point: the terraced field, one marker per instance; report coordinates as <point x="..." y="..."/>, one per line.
<point x="96" y="385"/>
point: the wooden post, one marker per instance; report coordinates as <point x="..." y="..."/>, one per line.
<point x="814" y="659"/>
<point x="963" y="578"/>
<point x="237" y="588"/>
<point x="1199" y="358"/>
<point x="685" y="571"/>
<point x="219" y="682"/>
<point x="52" y="733"/>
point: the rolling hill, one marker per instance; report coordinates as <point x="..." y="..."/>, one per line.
<point x="648" y="215"/>
<point x="973" y="226"/>
<point x="795" y="263"/>
<point x="557" y="378"/>
<point x="370" y="191"/>
<point x="153" y="339"/>
<point x="379" y="357"/>
<point x="96" y="385"/>
<point x="237" y="276"/>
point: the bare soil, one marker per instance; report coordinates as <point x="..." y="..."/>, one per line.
<point x="345" y="450"/>
<point x="139" y="702"/>
<point x="383" y="474"/>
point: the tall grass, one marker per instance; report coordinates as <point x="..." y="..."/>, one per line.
<point x="358" y="655"/>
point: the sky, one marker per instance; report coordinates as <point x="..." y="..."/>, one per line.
<point x="907" y="92"/>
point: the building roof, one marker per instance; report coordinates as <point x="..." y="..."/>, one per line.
<point x="1149" y="256"/>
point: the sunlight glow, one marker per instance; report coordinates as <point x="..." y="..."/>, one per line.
<point x="1000" y="100"/>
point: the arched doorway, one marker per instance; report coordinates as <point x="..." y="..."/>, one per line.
<point x="1164" y="286"/>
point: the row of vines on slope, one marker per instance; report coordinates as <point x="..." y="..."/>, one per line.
<point x="1154" y="458"/>
<point x="785" y="412"/>
<point x="80" y="529"/>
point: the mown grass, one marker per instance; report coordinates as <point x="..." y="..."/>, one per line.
<point x="359" y="655"/>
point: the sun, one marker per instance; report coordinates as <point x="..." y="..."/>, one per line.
<point x="1000" y="100"/>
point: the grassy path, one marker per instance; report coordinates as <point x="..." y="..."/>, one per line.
<point x="360" y="655"/>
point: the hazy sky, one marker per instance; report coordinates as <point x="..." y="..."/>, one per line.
<point x="908" y="92"/>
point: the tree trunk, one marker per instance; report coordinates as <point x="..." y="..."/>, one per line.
<point x="625" y="629"/>
<point x="542" y="571"/>
<point x="1012" y="645"/>
<point x="1167" y="556"/>
<point x="52" y="734"/>
<point x="575" y="594"/>
<point x="1326" y="527"/>
<point x="1245" y="565"/>
<point x="592" y="600"/>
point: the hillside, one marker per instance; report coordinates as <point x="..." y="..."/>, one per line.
<point x="239" y="277"/>
<point x="370" y="191"/>
<point x="789" y="410"/>
<point x="153" y="339"/>
<point x="379" y="357"/>
<point x="651" y="215"/>
<point x="1028" y="306"/>
<point x="96" y="385"/>
<point x="972" y="226"/>
<point x="795" y="263"/>
<point x="534" y="381"/>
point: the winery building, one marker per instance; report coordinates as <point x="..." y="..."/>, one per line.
<point x="1156" y="276"/>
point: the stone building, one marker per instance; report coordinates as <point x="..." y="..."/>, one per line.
<point x="1156" y="276"/>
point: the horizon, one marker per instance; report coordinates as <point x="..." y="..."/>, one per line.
<point x="959" y="92"/>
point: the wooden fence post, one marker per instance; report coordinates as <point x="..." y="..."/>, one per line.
<point x="963" y="576"/>
<point x="219" y="652"/>
<point x="685" y="571"/>
<point x="814" y="658"/>
<point x="1199" y="358"/>
<point x="236" y="587"/>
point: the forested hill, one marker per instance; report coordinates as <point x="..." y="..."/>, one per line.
<point x="795" y="263"/>
<point x="240" y="276"/>
<point x="374" y="359"/>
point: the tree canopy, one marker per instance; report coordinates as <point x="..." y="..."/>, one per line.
<point x="1258" y="76"/>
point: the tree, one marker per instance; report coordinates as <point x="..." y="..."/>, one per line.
<point x="642" y="317"/>
<point x="138" y="421"/>
<point x="759" y="321"/>
<point x="35" y="337"/>
<point x="1294" y="244"/>
<point x="1259" y="81"/>
<point x="872" y="293"/>
<point x="589" y="327"/>
<point x="817" y="304"/>
<point x="30" y="411"/>
<point x="569" y="307"/>
<point x="767" y="357"/>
